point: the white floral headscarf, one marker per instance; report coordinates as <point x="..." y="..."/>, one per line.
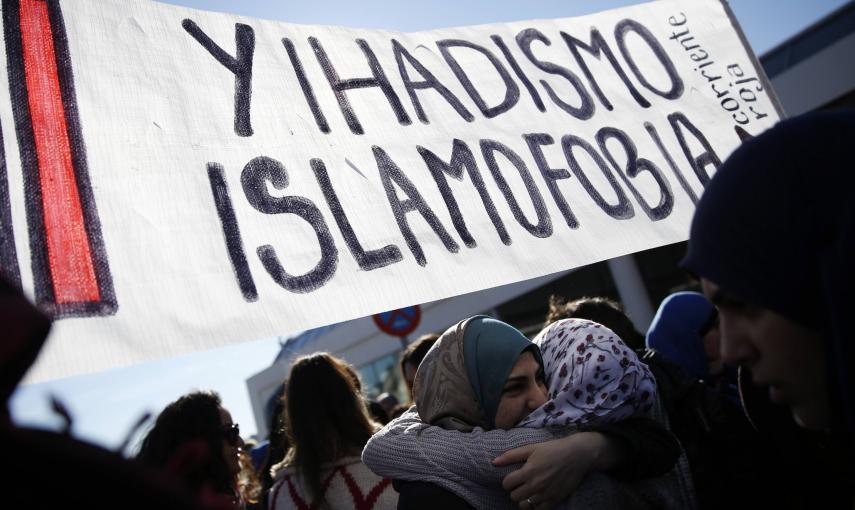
<point x="591" y="375"/>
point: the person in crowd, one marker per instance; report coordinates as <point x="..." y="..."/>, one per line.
<point x="413" y="356"/>
<point x="723" y="454"/>
<point x="327" y="423"/>
<point x="197" y="432"/>
<point x="277" y="444"/>
<point x="483" y="377"/>
<point x="772" y="241"/>
<point x="398" y="410"/>
<point x="46" y="469"/>
<point x="377" y="412"/>
<point x="685" y="331"/>
<point x="599" y="309"/>
<point x="248" y="481"/>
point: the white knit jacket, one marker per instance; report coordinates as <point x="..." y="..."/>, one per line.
<point x="348" y="484"/>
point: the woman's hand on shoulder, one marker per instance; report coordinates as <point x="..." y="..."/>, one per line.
<point x="554" y="469"/>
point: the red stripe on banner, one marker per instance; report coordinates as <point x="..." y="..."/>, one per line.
<point x="69" y="253"/>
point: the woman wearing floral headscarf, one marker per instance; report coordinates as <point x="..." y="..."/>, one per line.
<point x="592" y="380"/>
<point x="592" y="376"/>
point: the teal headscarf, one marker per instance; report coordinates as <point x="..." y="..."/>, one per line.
<point x="491" y="348"/>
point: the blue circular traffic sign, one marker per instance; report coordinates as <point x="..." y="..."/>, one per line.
<point x="400" y="322"/>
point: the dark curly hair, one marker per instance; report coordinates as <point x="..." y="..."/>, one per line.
<point x="602" y="310"/>
<point x="194" y="417"/>
<point x="416" y="351"/>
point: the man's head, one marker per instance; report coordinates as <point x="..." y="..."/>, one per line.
<point x="685" y="331"/>
<point x="412" y="357"/>
<point x="601" y="310"/>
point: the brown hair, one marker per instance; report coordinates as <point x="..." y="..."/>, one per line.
<point x="601" y="310"/>
<point x="415" y="352"/>
<point x="193" y="417"/>
<point x="325" y="416"/>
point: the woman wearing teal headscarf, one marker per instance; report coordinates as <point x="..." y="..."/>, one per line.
<point x="484" y="377"/>
<point x="460" y="382"/>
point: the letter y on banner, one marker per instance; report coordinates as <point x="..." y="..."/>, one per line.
<point x="69" y="262"/>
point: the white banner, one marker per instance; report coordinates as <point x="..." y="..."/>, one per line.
<point x="177" y="180"/>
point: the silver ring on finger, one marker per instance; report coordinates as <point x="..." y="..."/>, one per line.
<point x="530" y="503"/>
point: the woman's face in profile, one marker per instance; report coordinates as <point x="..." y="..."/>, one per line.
<point x="781" y="354"/>
<point x="524" y="391"/>
<point x="231" y="449"/>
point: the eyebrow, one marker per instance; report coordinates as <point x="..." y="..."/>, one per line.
<point x="515" y="379"/>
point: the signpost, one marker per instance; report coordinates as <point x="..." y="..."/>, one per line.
<point x="400" y="322"/>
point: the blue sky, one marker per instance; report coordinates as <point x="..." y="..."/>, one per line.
<point x="765" y="22"/>
<point x="105" y="405"/>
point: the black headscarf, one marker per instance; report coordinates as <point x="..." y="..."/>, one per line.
<point x="776" y="227"/>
